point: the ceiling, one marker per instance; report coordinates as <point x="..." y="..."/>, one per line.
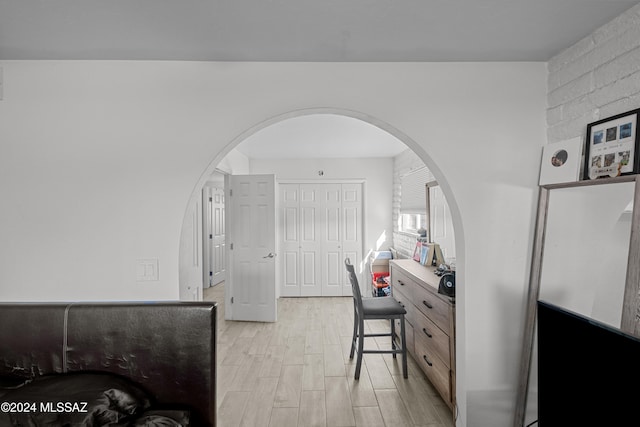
<point x="301" y="30"/>
<point x="321" y="136"/>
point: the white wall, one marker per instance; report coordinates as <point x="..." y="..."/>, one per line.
<point x="102" y="163"/>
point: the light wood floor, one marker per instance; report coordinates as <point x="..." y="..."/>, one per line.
<point x="297" y="372"/>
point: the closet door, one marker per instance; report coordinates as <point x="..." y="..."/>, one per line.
<point x="352" y="231"/>
<point x="312" y="216"/>
<point x="290" y="239"/>
<point x="332" y="230"/>
<point x="321" y="224"/>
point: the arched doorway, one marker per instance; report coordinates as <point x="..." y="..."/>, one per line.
<point x="188" y="249"/>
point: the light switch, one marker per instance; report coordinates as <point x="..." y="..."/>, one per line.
<point x="147" y="270"/>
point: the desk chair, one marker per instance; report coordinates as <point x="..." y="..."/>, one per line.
<point x="375" y="308"/>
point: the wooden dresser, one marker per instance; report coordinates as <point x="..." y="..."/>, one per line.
<point x="430" y="323"/>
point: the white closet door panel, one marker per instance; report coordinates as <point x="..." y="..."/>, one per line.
<point x="332" y="226"/>
<point x="353" y="228"/>
<point x="289" y="239"/>
<point x="310" y="242"/>
<point x="308" y="223"/>
<point x="332" y="277"/>
<point x="290" y="228"/>
<point x="290" y="275"/>
<point x="309" y="285"/>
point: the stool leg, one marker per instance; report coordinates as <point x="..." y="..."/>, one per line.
<point x="360" y="347"/>
<point x="393" y="336"/>
<point x="355" y="333"/>
<point x="405" y="374"/>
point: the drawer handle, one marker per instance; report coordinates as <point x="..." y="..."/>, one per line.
<point x="427" y="304"/>
<point x="400" y="282"/>
<point x="427" y="360"/>
<point x="427" y="333"/>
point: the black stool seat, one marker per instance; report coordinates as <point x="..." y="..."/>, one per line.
<point x="381" y="308"/>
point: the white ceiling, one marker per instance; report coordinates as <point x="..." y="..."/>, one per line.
<point x="321" y="136"/>
<point x="301" y="30"/>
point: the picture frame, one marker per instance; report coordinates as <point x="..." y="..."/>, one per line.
<point x="561" y="162"/>
<point x="424" y="253"/>
<point x="417" y="252"/>
<point x="612" y="146"/>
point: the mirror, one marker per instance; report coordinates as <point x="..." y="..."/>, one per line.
<point x="586" y="248"/>
<point x="580" y="262"/>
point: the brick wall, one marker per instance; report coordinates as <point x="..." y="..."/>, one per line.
<point x="402" y="164"/>
<point x="596" y="78"/>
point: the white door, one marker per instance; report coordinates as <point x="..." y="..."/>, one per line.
<point x="351" y="231"/>
<point x="251" y="239"/>
<point x="215" y="249"/>
<point x="331" y="231"/>
<point x="290" y="239"/>
<point x="321" y="224"/>
<point x="312" y="216"/>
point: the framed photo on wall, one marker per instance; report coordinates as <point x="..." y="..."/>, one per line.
<point x="612" y="146"/>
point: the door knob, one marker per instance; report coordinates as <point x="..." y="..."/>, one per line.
<point x="270" y="255"/>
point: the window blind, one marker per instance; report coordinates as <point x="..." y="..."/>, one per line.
<point x="413" y="199"/>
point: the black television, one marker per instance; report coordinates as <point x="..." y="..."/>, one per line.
<point x="588" y="372"/>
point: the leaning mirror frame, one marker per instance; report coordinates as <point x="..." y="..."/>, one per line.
<point x="631" y="302"/>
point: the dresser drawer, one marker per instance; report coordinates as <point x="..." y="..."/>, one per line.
<point x="404" y="299"/>
<point x="437" y="372"/>
<point x="400" y="281"/>
<point x="434" y="339"/>
<point x="433" y="307"/>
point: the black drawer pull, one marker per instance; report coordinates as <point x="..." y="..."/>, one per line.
<point x="427" y="333"/>
<point x="427" y="304"/>
<point x="400" y="282"/>
<point x="427" y="360"/>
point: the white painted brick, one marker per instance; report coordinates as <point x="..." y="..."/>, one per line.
<point x="620" y="89"/>
<point x="579" y="107"/>
<point x="572" y="90"/>
<point x="554" y="115"/>
<point x="571" y="53"/>
<point x="613" y="48"/>
<point x="619" y="106"/>
<point x="629" y="19"/>
<point x="599" y="55"/>
<point x="621" y="66"/>
<point x="568" y="129"/>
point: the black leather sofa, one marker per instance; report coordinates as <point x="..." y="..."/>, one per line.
<point x="168" y="348"/>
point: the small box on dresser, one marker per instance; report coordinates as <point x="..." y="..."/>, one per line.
<point x="430" y="323"/>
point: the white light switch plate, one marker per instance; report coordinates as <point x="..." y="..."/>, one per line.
<point x="147" y="270"/>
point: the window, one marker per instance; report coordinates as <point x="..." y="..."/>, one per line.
<point x="411" y="223"/>
<point x="413" y="200"/>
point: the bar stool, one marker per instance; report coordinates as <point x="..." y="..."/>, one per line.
<point x="375" y="308"/>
